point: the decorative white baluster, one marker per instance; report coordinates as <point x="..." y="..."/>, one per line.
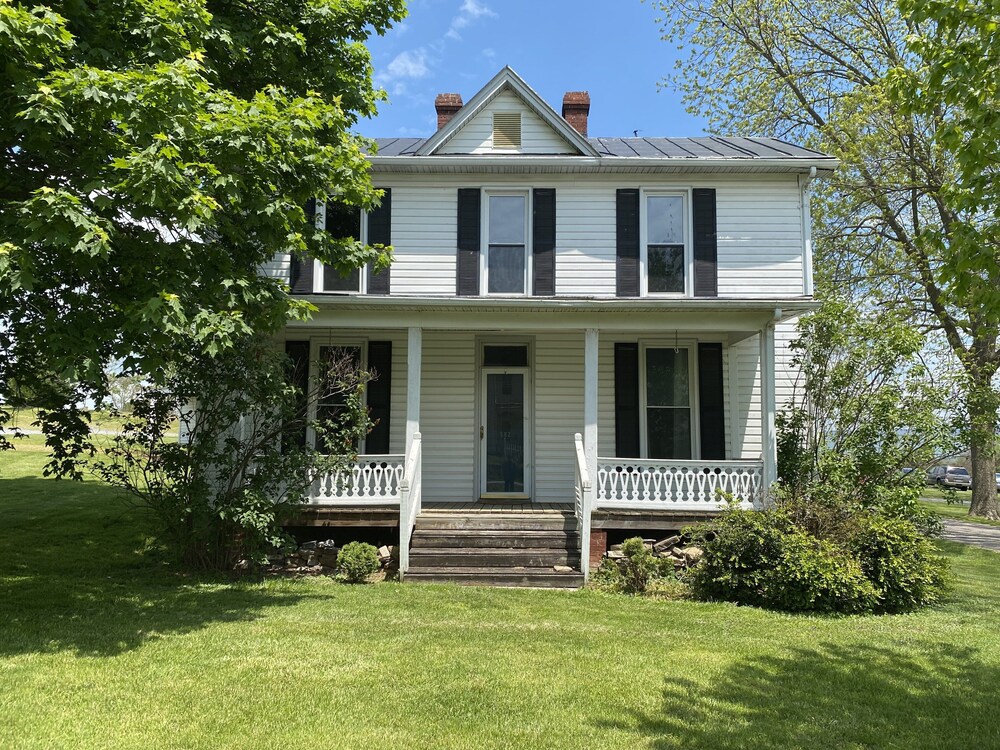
<point x="654" y="483"/>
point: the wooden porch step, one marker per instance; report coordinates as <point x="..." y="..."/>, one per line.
<point x="502" y="538"/>
<point x="497" y="521"/>
<point x="516" y="577"/>
<point x="480" y="557"/>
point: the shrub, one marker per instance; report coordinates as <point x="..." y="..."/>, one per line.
<point x="357" y="561"/>
<point x="902" y="565"/>
<point x="638" y="572"/>
<point x="638" y="566"/>
<point x="762" y="558"/>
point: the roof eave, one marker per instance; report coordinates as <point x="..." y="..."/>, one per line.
<point x="599" y="163"/>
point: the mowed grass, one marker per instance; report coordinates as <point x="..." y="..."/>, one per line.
<point x="956" y="512"/>
<point x="104" y="645"/>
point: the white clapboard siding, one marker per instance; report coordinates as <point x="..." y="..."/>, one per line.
<point x="759" y="225"/>
<point x="759" y="230"/>
<point x="558" y="377"/>
<point x="448" y="416"/>
<point x="279" y="267"/>
<point x="476" y="136"/>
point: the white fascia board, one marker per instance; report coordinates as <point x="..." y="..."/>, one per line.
<point x="507" y="77"/>
<point x="609" y="164"/>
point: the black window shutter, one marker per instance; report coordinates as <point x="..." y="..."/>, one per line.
<point x="379" y="395"/>
<point x="626" y="400"/>
<point x="298" y="375"/>
<point x="706" y="252"/>
<point x="468" y="242"/>
<point x="711" y="405"/>
<point x="301" y="271"/>
<point x="627" y="242"/>
<point x="380" y="233"/>
<point x="543" y="241"/>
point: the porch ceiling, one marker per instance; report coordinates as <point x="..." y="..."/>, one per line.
<point x="739" y="318"/>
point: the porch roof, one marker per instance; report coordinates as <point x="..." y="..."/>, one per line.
<point x="739" y="317"/>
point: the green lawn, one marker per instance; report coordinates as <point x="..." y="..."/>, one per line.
<point x="958" y="512"/>
<point x="102" y="645"/>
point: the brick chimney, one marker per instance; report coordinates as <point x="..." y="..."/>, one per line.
<point x="447" y="105"/>
<point x="576" y="107"/>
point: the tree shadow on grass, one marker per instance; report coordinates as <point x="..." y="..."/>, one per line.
<point x="74" y="576"/>
<point x="832" y="696"/>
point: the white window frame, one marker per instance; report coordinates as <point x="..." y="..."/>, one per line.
<point x="685" y="194"/>
<point x="484" y="241"/>
<point x="693" y="395"/>
<point x="316" y="343"/>
<point x="319" y="268"/>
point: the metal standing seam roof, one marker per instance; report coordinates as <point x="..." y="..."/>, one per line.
<point x="706" y="147"/>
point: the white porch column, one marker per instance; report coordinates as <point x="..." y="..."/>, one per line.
<point x="768" y="436"/>
<point x="414" y="357"/>
<point x="590" y="401"/>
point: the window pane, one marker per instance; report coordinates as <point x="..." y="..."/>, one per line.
<point x="505" y="433"/>
<point x="506" y="269"/>
<point x="507" y="219"/>
<point x="343" y="221"/>
<point x="669" y="433"/>
<point x="505" y="356"/>
<point x="666" y="268"/>
<point x="664" y="220"/>
<point x="330" y="404"/>
<point x="667" y="381"/>
<point x="334" y="282"/>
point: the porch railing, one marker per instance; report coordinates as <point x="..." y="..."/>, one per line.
<point x="373" y="480"/>
<point x="661" y="484"/>
<point x="411" y="493"/>
<point x="583" y="503"/>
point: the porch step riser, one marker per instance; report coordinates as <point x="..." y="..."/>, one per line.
<point x="496" y="539"/>
<point x="489" y="578"/>
<point x="479" y="558"/>
<point x="493" y="523"/>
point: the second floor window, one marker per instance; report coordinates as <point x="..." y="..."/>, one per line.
<point x="506" y="262"/>
<point x="342" y="221"/>
<point x="665" y="246"/>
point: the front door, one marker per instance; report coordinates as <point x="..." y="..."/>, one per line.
<point x="503" y="434"/>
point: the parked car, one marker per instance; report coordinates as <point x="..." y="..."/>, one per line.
<point x="998" y="481"/>
<point x="953" y="477"/>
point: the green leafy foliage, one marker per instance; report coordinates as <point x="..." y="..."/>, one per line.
<point x="156" y="154"/>
<point x="357" y="562"/>
<point x="638" y="572"/>
<point x="902" y="565"/>
<point x="817" y="560"/>
<point x="221" y="493"/>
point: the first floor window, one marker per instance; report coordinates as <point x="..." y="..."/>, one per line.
<point x="507" y="243"/>
<point x="331" y="402"/>
<point x="668" y="403"/>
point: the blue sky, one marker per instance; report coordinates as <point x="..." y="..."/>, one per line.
<point x="611" y="48"/>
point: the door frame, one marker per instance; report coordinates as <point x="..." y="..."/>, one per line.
<point x="479" y="474"/>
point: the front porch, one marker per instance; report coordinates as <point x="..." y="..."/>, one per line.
<point x="478" y="413"/>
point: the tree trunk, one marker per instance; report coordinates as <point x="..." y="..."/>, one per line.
<point x="983" y="447"/>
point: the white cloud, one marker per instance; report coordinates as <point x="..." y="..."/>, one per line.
<point x="409" y="64"/>
<point x="469" y="11"/>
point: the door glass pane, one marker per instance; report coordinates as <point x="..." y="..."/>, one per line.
<point x="330" y="403"/>
<point x="665" y="268"/>
<point x="667" y="377"/>
<point x="669" y="432"/>
<point x="507" y="218"/>
<point x="665" y="220"/>
<point x="506" y="269"/>
<point x="505" y="432"/>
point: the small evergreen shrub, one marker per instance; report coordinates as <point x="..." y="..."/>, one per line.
<point x="356" y="561"/>
<point x="638" y="572"/>
<point x="902" y="565"/>
<point x="638" y="566"/>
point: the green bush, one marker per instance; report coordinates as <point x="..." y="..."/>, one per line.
<point x="762" y="558"/>
<point x="356" y="561"/>
<point x="901" y="564"/>
<point x="638" y="566"/>
<point x="638" y="572"/>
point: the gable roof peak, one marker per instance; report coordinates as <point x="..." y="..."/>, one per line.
<point x="506" y="79"/>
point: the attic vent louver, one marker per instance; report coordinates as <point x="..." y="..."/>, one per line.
<point x="506" y="130"/>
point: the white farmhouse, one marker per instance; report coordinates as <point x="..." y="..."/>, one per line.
<point x="578" y="337"/>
